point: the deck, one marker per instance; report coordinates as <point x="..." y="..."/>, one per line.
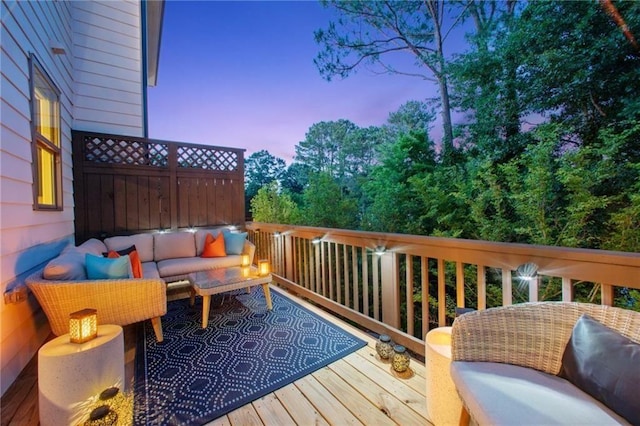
<point x="356" y="390"/>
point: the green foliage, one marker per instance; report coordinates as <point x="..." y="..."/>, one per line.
<point x="326" y="205"/>
<point x="392" y="206"/>
<point x="271" y="206"/>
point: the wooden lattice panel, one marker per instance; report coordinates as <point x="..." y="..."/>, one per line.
<point x="125" y="151"/>
<point x="207" y="158"/>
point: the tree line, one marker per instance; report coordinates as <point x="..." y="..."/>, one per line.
<point x="548" y="151"/>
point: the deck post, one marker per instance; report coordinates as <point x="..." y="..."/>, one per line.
<point x="390" y="289"/>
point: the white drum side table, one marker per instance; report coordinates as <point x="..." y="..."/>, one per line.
<point x="71" y="375"/>
<point x="443" y="403"/>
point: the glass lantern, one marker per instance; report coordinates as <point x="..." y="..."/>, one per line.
<point x="384" y="347"/>
<point x="401" y="359"/>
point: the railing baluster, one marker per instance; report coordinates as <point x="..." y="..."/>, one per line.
<point x="345" y="271"/>
<point x="482" y="287"/>
<point x="375" y="261"/>
<point x="323" y="268"/>
<point x="460" y="284"/>
<point x="356" y="284"/>
<point x="567" y="289"/>
<point x="534" y="285"/>
<point x="331" y="270"/>
<point x="338" y="273"/>
<point x="442" y="301"/>
<point x="606" y="294"/>
<point x="507" y="287"/>
<point x="409" y="296"/>
<point x="365" y="282"/>
<point x="424" y="279"/>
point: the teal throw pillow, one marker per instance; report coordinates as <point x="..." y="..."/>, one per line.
<point x="100" y="268"/>
<point x="234" y="241"/>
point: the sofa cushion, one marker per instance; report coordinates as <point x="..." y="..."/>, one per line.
<point x="69" y="266"/>
<point x="201" y="235"/>
<point x="214" y="246"/>
<point x="234" y="241"/>
<point x="184" y="266"/>
<point x="604" y="364"/>
<point x="150" y="270"/>
<point x="143" y="243"/>
<point x="99" y="267"/>
<point x="505" y="394"/>
<point x="93" y="246"/>
<point x="174" y="245"/>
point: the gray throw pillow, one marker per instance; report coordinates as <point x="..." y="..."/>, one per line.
<point x="604" y="364"/>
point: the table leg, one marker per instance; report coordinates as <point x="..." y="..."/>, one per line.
<point x="206" y="302"/>
<point x="267" y="295"/>
<point x="192" y="297"/>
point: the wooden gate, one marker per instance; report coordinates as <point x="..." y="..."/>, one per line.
<point x="124" y="185"/>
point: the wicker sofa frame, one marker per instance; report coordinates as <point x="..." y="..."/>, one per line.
<point x="120" y="301"/>
<point x="532" y="335"/>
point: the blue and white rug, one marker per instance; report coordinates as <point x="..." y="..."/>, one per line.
<point x="246" y="352"/>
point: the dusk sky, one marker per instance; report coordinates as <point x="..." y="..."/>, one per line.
<point x="241" y="74"/>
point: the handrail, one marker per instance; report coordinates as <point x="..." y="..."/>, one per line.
<point x="349" y="273"/>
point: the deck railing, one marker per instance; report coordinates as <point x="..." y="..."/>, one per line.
<point x="403" y="285"/>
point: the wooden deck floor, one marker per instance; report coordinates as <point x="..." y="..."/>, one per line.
<point x="355" y="390"/>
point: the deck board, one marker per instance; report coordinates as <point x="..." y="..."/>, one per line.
<point x="357" y="389"/>
<point x="272" y="412"/>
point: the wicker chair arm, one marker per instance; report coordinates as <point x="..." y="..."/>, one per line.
<point x="531" y="335"/>
<point x="119" y="301"/>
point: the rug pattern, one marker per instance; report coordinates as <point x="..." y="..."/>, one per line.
<point x="246" y="352"/>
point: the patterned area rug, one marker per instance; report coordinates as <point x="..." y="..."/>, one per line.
<point x="246" y="352"/>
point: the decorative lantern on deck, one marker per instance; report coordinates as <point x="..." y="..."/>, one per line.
<point x="263" y="267"/>
<point x="245" y="260"/>
<point x="83" y="325"/>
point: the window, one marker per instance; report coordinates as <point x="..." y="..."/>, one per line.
<point x="45" y="122"/>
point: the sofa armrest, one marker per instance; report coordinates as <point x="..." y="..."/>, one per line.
<point x="120" y="301"/>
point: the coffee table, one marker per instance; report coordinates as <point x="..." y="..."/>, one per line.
<point x="215" y="281"/>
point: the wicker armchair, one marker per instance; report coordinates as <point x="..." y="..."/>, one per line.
<point x="532" y="335"/>
<point x="121" y="302"/>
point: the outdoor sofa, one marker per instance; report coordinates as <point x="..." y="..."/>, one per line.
<point x="64" y="287"/>
<point x="547" y="363"/>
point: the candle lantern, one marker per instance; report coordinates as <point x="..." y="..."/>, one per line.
<point x="245" y="260"/>
<point x="83" y="325"/>
<point x="263" y="267"/>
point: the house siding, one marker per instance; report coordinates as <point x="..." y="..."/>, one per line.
<point x="95" y="95"/>
<point x="108" y="67"/>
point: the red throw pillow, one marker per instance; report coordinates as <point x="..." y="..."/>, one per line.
<point x="214" y="247"/>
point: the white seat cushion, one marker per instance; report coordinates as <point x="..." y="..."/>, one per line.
<point x="183" y="266"/>
<point x="505" y="394"/>
<point x="150" y="270"/>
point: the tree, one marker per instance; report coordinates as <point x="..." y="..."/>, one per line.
<point x="485" y="84"/>
<point x="563" y="71"/>
<point x="325" y="147"/>
<point x="411" y="116"/>
<point x="270" y="205"/>
<point x="261" y="168"/>
<point x="370" y="32"/>
<point x="392" y="198"/>
<point x="326" y="204"/>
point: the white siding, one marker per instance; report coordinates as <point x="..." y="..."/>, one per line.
<point x="100" y="80"/>
<point x="29" y="237"/>
<point x="107" y="67"/>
